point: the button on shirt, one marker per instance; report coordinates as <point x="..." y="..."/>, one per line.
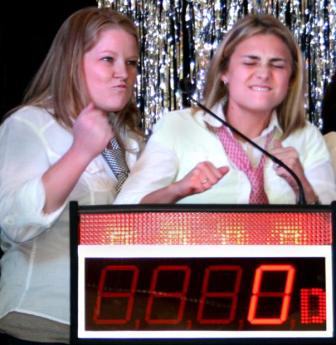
<point x="35" y="265"/>
<point x="181" y="140"/>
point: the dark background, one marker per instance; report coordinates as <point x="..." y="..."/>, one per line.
<point x="27" y="28"/>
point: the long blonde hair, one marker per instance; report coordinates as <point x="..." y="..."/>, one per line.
<point x="291" y="112"/>
<point x="59" y="84"/>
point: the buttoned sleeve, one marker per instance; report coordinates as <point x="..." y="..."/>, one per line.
<point x="23" y="161"/>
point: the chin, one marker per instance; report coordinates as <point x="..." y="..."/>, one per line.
<point x="263" y="107"/>
<point x="115" y="107"/>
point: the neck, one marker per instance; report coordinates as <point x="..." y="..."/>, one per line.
<point x="250" y="124"/>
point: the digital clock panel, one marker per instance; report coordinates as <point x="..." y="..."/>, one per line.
<point x="202" y="274"/>
<point x="205" y="291"/>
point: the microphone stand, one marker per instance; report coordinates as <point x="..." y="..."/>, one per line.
<point x="302" y="199"/>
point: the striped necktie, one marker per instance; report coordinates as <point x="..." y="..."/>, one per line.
<point x="115" y="158"/>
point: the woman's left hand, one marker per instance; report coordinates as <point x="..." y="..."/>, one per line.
<point x="290" y="157"/>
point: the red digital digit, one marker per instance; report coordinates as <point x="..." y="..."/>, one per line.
<point x="206" y="294"/>
<point x="155" y="295"/>
<point x="102" y="294"/>
<point x="285" y="295"/>
<point x="313" y="306"/>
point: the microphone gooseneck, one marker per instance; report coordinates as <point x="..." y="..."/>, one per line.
<point x="301" y="199"/>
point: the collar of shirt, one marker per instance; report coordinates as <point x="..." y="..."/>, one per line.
<point x="253" y="153"/>
<point x="218" y="109"/>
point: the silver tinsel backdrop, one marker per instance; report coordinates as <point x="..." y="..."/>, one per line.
<point x="178" y="38"/>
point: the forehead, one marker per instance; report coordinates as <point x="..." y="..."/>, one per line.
<point x="268" y="45"/>
<point x="115" y="38"/>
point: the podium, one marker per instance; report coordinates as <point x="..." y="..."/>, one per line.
<point x="202" y="274"/>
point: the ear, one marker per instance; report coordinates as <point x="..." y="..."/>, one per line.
<point x="224" y="78"/>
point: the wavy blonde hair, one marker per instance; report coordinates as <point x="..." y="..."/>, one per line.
<point x="291" y="112"/>
<point x="59" y="84"/>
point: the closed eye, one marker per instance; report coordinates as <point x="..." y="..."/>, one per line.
<point x="278" y="65"/>
<point x="250" y="60"/>
<point x="249" y="63"/>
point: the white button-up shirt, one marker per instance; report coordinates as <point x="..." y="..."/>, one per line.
<point x="35" y="265"/>
<point x="181" y="140"/>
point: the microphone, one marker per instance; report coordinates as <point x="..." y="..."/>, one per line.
<point x="186" y="88"/>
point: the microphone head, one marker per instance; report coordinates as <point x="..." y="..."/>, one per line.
<point x="186" y="86"/>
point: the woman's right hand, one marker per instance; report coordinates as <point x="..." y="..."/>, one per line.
<point x="92" y="131"/>
<point x="201" y="178"/>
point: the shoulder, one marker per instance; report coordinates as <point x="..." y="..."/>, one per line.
<point x="308" y="133"/>
<point x="31" y="122"/>
<point x="31" y="115"/>
<point x="175" y="120"/>
<point x="310" y="144"/>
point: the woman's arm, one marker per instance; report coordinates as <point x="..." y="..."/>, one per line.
<point x="312" y="166"/>
<point x="91" y="133"/>
<point x="26" y="200"/>
<point x="198" y="180"/>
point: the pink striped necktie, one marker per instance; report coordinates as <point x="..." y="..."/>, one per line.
<point x="238" y="156"/>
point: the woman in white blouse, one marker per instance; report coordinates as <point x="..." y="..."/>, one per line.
<point x="80" y="100"/>
<point x="255" y="82"/>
